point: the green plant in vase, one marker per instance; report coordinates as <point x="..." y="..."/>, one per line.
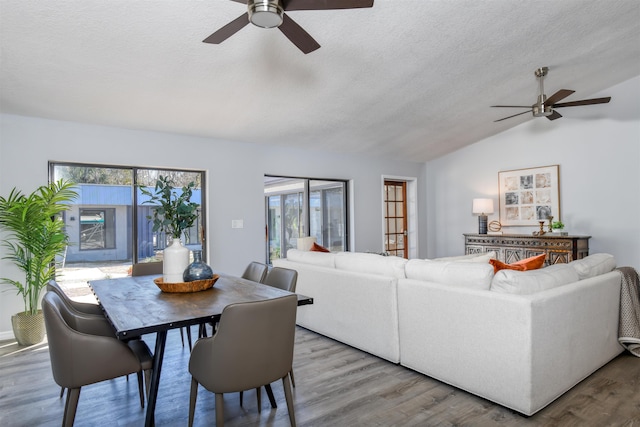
<point x="174" y="213"/>
<point x="35" y="236"/>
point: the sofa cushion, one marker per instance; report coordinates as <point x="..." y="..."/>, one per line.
<point x="532" y="281"/>
<point x="389" y="266"/>
<point x="594" y="265"/>
<point x="484" y="257"/>
<point x="314" y="258"/>
<point x="531" y="263"/>
<point x="453" y="273"/>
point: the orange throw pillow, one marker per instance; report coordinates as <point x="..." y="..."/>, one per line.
<point x="317" y="248"/>
<point x="533" y="263"/>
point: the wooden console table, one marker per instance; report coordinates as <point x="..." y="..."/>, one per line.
<point x="514" y="247"/>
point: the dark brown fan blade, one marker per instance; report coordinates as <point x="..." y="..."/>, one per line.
<point x="325" y="4"/>
<point x="519" y="114"/>
<point x="554" y="115"/>
<point x="583" y="102"/>
<point x="228" y="30"/>
<point x="561" y="94"/>
<point x="298" y="35"/>
<point x="512" y="106"/>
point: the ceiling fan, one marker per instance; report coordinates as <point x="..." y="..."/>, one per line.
<point x="270" y="14"/>
<point x="545" y="107"/>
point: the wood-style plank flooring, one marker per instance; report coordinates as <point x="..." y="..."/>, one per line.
<point x="336" y="386"/>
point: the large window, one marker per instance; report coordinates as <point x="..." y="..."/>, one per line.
<point x="300" y="207"/>
<point x="107" y="224"/>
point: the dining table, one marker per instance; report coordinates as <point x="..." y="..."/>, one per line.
<point x="135" y="306"/>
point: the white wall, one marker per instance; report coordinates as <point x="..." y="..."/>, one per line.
<point x="599" y="176"/>
<point x="235" y="174"/>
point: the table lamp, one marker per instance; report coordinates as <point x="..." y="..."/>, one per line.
<point x="482" y="207"/>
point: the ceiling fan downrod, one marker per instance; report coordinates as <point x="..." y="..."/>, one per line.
<point x="540" y="109"/>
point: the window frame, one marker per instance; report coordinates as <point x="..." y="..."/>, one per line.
<point x="134" y="236"/>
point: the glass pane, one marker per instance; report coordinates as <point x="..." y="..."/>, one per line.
<point x="399" y="209"/>
<point x="99" y="225"/>
<point x="333" y="212"/>
<point x="151" y="244"/>
<point x="391" y="226"/>
<point x="391" y="194"/>
<point x="391" y="209"/>
<point x="292" y="216"/>
<point x="399" y="195"/>
<point x="399" y="225"/>
<point x="273" y="225"/>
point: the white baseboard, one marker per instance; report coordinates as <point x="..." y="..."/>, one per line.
<point x="6" y="335"/>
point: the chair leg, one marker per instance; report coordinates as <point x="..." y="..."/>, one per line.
<point x="61" y="392"/>
<point x="272" y="399"/>
<point x="219" y="410"/>
<point x="182" y="337"/>
<point x="70" y="406"/>
<point x="293" y="382"/>
<point x="192" y="400"/>
<point x="289" y="397"/>
<point x="147" y="381"/>
<point x="259" y="397"/>
<point x="140" y="388"/>
<point x="241" y="395"/>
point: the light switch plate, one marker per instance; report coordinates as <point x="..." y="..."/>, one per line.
<point x="237" y="223"/>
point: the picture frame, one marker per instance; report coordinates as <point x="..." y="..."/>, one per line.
<point x="528" y="196"/>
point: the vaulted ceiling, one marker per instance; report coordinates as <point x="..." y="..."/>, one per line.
<point x="407" y="79"/>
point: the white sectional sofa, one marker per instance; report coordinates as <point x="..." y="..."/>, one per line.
<point x="520" y="339"/>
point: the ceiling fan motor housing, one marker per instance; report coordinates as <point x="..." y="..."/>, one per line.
<point x="265" y="13"/>
<point x="540" y="109"/>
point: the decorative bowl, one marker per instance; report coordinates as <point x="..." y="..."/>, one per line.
<point x="195" y="286"/>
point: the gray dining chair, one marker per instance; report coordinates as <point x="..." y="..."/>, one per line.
<point x="81" y="307"/>
<point x="155" y="268"/>
<point x="285" y="279"/>
<point x="95" y="322"/>
<point x="252" y="347"/>
<point x="282" y="278"/>
<point x="255" y="271"/>
<point x="96" y="357"/>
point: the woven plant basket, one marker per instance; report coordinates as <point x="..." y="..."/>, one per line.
<point x="28" y="328"/>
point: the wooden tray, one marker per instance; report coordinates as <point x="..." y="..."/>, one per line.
<point x="195" y="286"/>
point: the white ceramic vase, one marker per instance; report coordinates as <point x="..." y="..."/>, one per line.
<point x="176" y="260"/>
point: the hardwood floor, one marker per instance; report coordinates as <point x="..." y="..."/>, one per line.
<point x="336" y="386"/>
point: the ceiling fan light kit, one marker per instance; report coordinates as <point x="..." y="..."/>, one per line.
<point x="545" y="107"/>
<point x="265" y="13"/>
<point x="271" y="14"/>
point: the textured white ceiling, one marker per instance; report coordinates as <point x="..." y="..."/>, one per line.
<point x="409" y="79"/>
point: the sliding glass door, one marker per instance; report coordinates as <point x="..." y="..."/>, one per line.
<point x="300" y="207"/>
<point x="107" y="224"/>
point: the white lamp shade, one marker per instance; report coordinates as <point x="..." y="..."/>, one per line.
<point x="482" y="206"/>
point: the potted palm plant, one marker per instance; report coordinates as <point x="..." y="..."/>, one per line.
<point x="35" y="236"/>
<point x="174" y="214"/>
